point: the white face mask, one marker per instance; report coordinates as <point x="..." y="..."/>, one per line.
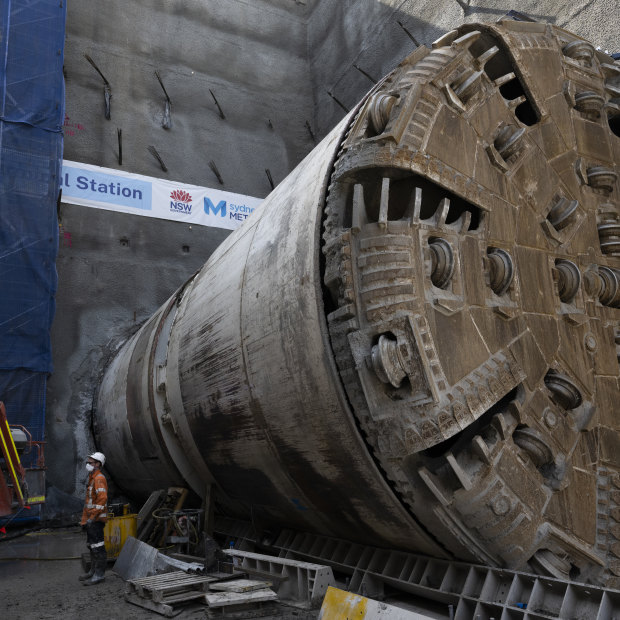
<point x="89" y="467"/>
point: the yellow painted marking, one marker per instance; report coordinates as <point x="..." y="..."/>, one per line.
<point x="341" y="605"/>
<point x="8" y="428"/>
<point x="34" y="500"/>
<point x="6" y="451"/>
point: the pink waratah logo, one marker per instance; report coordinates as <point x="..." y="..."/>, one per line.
<point x="180" y="196"/>
<point x="180" y="201"/>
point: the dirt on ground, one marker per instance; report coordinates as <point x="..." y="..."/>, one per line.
<point x="39" y="576"/>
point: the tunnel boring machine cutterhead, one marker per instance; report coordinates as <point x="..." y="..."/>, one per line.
<point x="413" y="342"/>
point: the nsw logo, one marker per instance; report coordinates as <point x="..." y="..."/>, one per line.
<point x="218" y="209"/>
<point x="180" y="201"/>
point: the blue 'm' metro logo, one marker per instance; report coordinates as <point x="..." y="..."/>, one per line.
<point x="215" y="209"/>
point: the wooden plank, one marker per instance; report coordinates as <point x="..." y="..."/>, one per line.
<point x="183" y="583"/>
<point x="239" y="585"/>
<point x="164" y="594"/>
<point x="183" y="595"/>
<point x="157" y="578"/>
<point x="166" y="578"/>
<point x="223" y="599"/>
<point x="157" y="596"/>
<point x="186" y="596"/>
<point x="140" y="587"/>
<point x="169" y="586"/>
<point x="160" y="576"/>
<point x="160" y="608"/>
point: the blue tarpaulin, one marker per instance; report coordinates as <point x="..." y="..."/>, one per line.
<point x="31" y="118"/>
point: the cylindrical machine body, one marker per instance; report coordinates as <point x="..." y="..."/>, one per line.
<point x="413" y="342"/>
<point x="251" y="396"/>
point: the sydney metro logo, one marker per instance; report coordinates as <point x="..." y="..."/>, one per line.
<point x="218" y="209"/>
<point x="180" y="201"/>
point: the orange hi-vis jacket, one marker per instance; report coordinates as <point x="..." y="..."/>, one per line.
<point x="96" y="507"/>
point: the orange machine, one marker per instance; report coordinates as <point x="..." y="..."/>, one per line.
<point x="15" y="480"/>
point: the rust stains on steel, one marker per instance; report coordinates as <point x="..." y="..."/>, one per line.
<point x="268" y="173"/>
<point x="153" y="151"/>
<point x="217" y="103"/>
<point x="167" y="118"/>
<point x="162" y="86"/>
<point x="216" y="172"/>
<point x="107" y="89"/>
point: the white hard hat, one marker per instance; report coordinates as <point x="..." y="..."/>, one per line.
<point x="98" y="456"/>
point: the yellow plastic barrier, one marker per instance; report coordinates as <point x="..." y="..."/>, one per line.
<point x="341" y="605"/>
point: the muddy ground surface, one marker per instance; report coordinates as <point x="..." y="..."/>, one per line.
<point x="39" y="580"/>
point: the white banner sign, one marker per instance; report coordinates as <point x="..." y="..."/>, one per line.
<point x="105" y="188"/>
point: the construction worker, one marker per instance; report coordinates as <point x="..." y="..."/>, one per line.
<point x="93" y="519"/>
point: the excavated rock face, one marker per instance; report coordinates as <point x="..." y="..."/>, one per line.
<point x="471" y="244"/>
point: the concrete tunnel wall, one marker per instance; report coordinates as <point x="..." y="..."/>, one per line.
<point x="268" y="61"/>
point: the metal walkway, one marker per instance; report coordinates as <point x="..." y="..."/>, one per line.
<point x="475" y="592"/>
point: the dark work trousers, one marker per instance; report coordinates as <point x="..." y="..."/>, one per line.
<point x="94" y="535"/>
